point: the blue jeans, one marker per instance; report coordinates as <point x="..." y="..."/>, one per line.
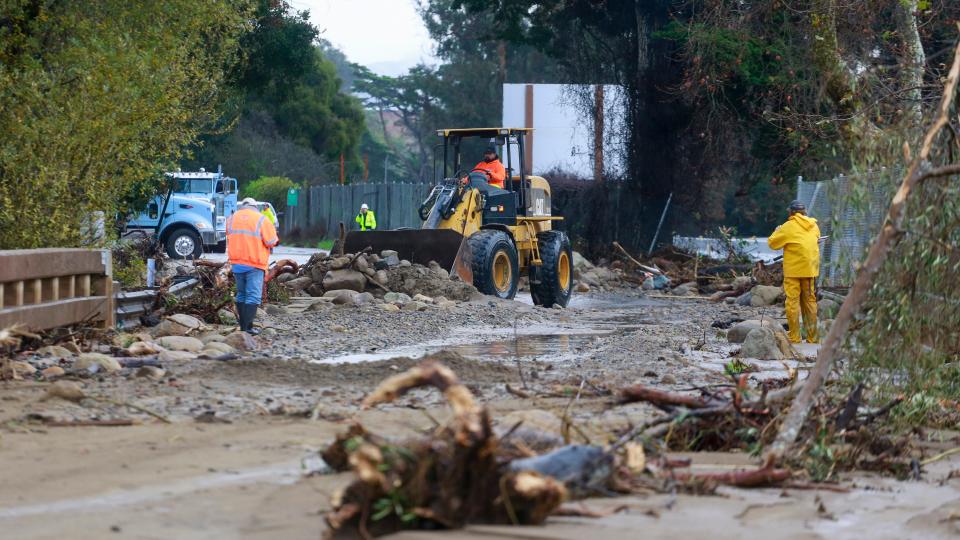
<point x="249" y="286"/>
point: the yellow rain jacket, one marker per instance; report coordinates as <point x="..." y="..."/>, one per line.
<point x="798" y="238"/>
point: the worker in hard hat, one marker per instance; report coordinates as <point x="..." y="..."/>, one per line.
<point x="799" y="239"/>
<point x="365" y="219"/>
<point x="491" y="166"/>
<point x="250" y="237"/>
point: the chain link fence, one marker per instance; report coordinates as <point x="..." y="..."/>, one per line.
<point x="850" y="210"/>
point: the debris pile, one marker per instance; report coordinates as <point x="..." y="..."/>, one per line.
<point x="377" y="274"/>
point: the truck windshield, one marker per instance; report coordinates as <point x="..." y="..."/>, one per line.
<point x="194" y="185"/>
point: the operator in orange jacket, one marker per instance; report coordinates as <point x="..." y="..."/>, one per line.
<point x="250" y="238"/>
<point x="799" y="239"/>
<point x="492" y="167"/>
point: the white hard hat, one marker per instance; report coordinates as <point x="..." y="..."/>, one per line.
<point x="249" y="201"/>
<point x="364" y="206"/>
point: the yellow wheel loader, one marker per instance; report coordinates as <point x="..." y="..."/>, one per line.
<point x="486" y="235"/>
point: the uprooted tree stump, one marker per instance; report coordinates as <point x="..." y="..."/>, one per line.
<point x="459" y="475"/>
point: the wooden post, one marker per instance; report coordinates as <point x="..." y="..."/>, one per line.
<point x="598" y="133"/>
<point x="342" y="171"/>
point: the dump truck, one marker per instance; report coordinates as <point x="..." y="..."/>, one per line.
<point x="190" y="218"/>
<point x="485" y="235"/>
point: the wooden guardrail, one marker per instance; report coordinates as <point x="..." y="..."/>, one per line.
<point x="47" y="288"/>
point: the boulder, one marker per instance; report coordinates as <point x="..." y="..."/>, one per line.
<point x="317" y="273"/>
<point x="176" y="356"/>
<point x="761" y="343"/>
<point x="22" y="369"/>
<point x="94" y="362"/>
<point x="381" y="277"/>
<point x="319" y="306"/>
<point x="299" y="284"/>
<point x="363" y="299"/>
<point x="341" y="296"/>
<point x="283" y="278"/>
<point x="275" y="310"/>
<point x="438" y="270"/>
<point x="647" y="284"/>
<point x="396" y="298"/>
<point x="590" y="278"/>
<point x="143" y="348"/>
<point x="55" y="351"/>
<point x="745" y="299"/>
<point x="180" y="343"/>
<point x="370" y="272"/>
<point x="783" y="343"/>
<point x="227" y="317"/>
<point x="827" y="309"/>
<point x="582" y="287"/>
<point x="580" y="263"/>
<point x="340" y="263"/>
<point x="388" y="307"/>
<point x="344" y="279"/>
<point x="153" y="373"/>
<point x="741" y="283"/>
<point x="361" y="264"/>
<point x="316" y="289"/>
<point x="218" y="347"/>
<point x="211" y="336"/>
<point x="413" y="305"/>
<point x="730" y="300"/>
<point x="387" y="253"/>
<point x="423" y="298"/>
<point x="241" y="341"/>
<point x="765" y="295"/>
<point x="446" y="304"/>
<point x="405" y="263"/>
<point x="52" y="372"/>
<point x="738" y="332"/>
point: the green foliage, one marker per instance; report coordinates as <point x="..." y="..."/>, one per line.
<point x="272" y="189"/>
<point x="97" y="99"/>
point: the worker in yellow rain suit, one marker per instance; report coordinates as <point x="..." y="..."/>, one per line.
<point x="799" y="239"/>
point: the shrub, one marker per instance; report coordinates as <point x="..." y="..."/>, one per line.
<point x="272" y="189"/>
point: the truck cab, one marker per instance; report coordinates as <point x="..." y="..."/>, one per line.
<point x="191" y="216"/>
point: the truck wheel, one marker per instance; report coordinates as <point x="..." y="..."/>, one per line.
<point x="552" y="282"/>
<point x="496" y="269"/>
<point x="184" y="243"/>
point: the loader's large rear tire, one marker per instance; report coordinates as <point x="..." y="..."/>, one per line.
<point x="496" y="269"/>
<point x="552" y="282"/>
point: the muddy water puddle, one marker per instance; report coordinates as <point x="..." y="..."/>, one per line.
<point x="599" y="317"/>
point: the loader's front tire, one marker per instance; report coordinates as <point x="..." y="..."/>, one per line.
<point x="496" y="269"/>
<point x="552" y="282"/>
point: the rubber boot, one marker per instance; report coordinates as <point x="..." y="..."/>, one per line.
<point x="251" y="310"/>
<point x="241" y="315"/>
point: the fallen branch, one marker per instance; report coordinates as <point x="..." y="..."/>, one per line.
<point x="636" y="262"/>
<point x="639" y="392"/>
<point x="765" y="476"/>
<point x="889" y="236"/>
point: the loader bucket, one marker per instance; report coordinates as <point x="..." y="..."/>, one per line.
<point x="445" y="246"/>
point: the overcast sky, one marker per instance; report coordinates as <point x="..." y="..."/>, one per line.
<point x="385" y="35"/>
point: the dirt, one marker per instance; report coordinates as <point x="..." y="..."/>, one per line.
<point x="232" y="462"/>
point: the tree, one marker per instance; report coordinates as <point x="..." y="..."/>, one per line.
<point x="97" y="99"/>
<point x="272" y="189"/>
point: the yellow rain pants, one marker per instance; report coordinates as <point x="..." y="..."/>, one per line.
<point x="801" y="298"/>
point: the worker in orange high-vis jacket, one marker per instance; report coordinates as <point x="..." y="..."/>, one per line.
<point x="250" y="238"/>
<point x="799" y="238"/>
<point x="492" y="167"/>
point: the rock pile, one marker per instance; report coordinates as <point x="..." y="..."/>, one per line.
<point x="371" y="275"/>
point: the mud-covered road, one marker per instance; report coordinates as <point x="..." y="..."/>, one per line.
<point x="232" y="462"/>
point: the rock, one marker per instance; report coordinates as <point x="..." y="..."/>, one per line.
<point x="261" y="313"/>
<point x="590" y="278"/>
<point x="211" y="336"/>
<point x="741" y="283"/>
<point x="396" y="298"/>
<point x="389" y="261"/>
<point x="361" y="264"/>
<point x="268" y="332"/>
<point x="344" y="279"/>
<point x="381" y="277"/>
<point x="387" y="253"/>
<point x="446" y="304"/>
<point x="605" y="274"/>
<point x="143" y="348"/>
<point x="299" y="284"/>
<point x="218" y="347"/>
<point x="582" y="287"/>
<point x="438" y="299"/>
<point x="682" y="290"/>
<point x="340" y="263"/>
<point x="87" y="361"/>
<point x="363" y="299"/>
<point x="227" y="317"/>
<point x="370" y="272"/>
<point x="316" y="289"/>
<point x="72" y="347"/>
<point x="438" y="271"/>
<point x="422" y="298"/>
<point x="827" y="309"/>
<point x="241" y="341"/>
<point x="176" y="356"/>
<point x="388" y="307"/>
<point x="180" y="343"/>
<point x="283" y="278"/>
<point x="67" y="390"/>
<point x="319" y="306"/>
<point x="413" y="305"/>
<point x="761" y="344"/>
<point x="22" y="369"/>
<point x="178" y="324"/>
<point x="341" y="296"/>
<point x="580" y="263"/>
<point x="745" y="299"/>
<point x="317" y="273"/>
<point x="52" y="372"/>
<point x="275" y="310"/>
<point x="55" y="351"/>
<point x="338" y="328"/>
<point x="765" y="295"/>
<point x="730" y="300"/>
<point x="153" y="373"/>
<point x="783" y="343"/>
<point x="405" y="263"/>
<point x="647" y="284"/>
<point x="668" y="379"/>
<point x="738" y="332"/>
